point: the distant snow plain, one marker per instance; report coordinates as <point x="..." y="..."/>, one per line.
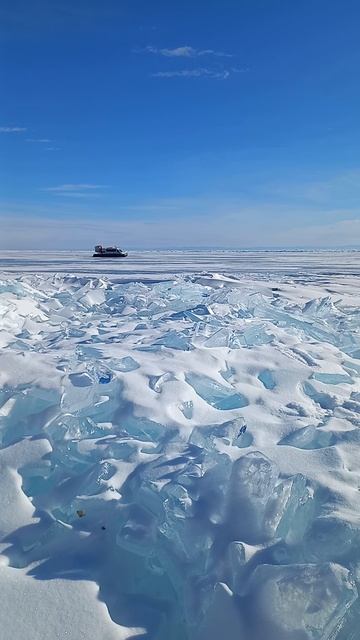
<point x="179" y="445"/>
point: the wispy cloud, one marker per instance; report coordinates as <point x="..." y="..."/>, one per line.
<point x="74" y="190"/>
<point x="215" y="70"/>
<point x="198" y="72"/>
<point x="44" y="141"/>
<point x="12" y="129"/>
<point x="184" y="52"/>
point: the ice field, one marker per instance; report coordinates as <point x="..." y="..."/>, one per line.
<point x="180" y="446"/>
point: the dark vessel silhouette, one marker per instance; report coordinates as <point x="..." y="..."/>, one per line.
<point x="108" y="252"/>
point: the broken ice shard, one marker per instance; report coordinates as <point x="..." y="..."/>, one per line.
<point x="252" y="483"/>
<point x="215" y="394"/>
<point x="302" y="601"/>
<point x="227" y="432"/>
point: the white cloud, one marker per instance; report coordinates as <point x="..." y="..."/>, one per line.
<point x="12" y="129"/>
<point x="41" y="140"/>
<point x="188" y="52"/>
<point x="73" y="189"/>
<point x="199" y="72"/>
<point x="185" y="52"/>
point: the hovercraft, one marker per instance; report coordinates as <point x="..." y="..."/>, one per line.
<point x="108" y="252"/>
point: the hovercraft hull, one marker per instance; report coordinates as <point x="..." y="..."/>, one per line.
<point x="109" y="255"/>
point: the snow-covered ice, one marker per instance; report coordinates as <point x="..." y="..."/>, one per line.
<point x="179" y="449"/>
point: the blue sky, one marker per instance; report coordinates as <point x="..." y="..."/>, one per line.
<point x="178" y="124"/>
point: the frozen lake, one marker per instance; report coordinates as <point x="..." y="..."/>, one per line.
<point x="160" y="265"/>
<point x="173" y="454"/>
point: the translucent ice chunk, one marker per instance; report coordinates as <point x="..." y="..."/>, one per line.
<point x="216" y="394"/>
<point x="330" y="539"/>
<point x="145" y="429"/>
<point x="99" y="372"/>
<point x="228" y="432"/>
<point x="105" y="378"/>
<point x="188" y="542"/>
<point x="309" y="438"/>
<point x="117" y="450"/>
<point x="187" y="408"/>
<point x="332" y="378"/>
<point x="126" y="364"/>
<point x="325" y="400"/>
<point x="321" y="307"/>
<point x="175" y="340"/>
<point x="301" y="601"/>
<point x="228" y="373"/>
<point x="267" y="378"/>
<point x="68" y="427"/>
<point x="222" y="615"/>
<point x="287" y="506"/>
<point x="225" y="337"/>
<point x="220" y="338"/>
<point x="80" y="379"/>
<point x="192" y="314"/>
<point x="138" y="533"/>
<point x="236" y="559"/>
<point x="96" y="480"/>
<point x="85" y="351"/>
<point x="156" y="382"/>
<point x="351" y="367"/>
<point x="74" y="332"/>
<point x="254" y="335"/>
<point x="140" y="326"/>
<point x="252" y="483"/>
<point x="172" y="468"/>
<point x="25" y="412"/>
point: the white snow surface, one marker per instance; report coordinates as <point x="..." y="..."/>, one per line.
<point x="179" y="446"/>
